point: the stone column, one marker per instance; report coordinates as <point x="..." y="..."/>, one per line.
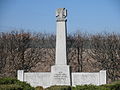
<point x="61" y="37"/>
<point x="60" y="72"/>
<point x="102" y="77"/>
<point x="20" y="75"/>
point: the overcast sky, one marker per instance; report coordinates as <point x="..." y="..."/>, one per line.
<point x="92" y="16"/>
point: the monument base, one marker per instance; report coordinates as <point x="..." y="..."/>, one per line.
<point x="60" y="75"/>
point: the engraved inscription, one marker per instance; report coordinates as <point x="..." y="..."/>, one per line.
<point x="60" y="77"/>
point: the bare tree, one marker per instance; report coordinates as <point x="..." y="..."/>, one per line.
<point x="105" y="49"/>
<point x="76" y="44"/>
<point x="36" y="52"/>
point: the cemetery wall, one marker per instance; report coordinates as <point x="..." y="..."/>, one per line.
<point x="44" y="78"/>
<point x="35" y="78"/>
<point x="95" y="78"/>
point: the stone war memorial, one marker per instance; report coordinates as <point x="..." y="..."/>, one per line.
<point x="60" y="72"/>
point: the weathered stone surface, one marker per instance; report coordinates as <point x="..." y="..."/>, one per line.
<point x="61" y="14"/>
<point x="20" y="75"/>
<point x="60" y="72"/>
<point x="85" y="78"/>
<point x="60" y="75"/>
<point x="61" y="39"/>
<point x="38" y="78"/>
<point x="95" y="78"/>
<point x="102" y="77"/>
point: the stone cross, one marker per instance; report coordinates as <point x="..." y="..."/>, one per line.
<point x="61" y="14"/>
<point x="61" y="58"/>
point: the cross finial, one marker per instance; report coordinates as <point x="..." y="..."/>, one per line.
<point x="61" y="14"/>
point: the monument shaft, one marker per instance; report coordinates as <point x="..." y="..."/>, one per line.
<point x="60" y="72"/>
<point x="61" y="43"/>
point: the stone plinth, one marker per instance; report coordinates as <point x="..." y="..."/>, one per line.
<point x="60" y="75"/>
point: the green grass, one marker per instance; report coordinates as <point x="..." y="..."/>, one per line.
<point x="14" y="84"/>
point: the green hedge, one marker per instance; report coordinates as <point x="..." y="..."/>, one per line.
<point x="59" y="88"/>
<point x="14" y="84"/>
<point x="10" y="87"/>
<point x="4" y="81"/>
<point x="89" y="87"/>
<point x="39" y="88"/>
<point x="113" y="86"/>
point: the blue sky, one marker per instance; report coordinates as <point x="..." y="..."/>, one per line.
<point x="92" y="16"/>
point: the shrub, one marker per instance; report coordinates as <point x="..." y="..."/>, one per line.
<point x="8" y="81"/>
<point x="113" y="86"/>
<point x="10" y="87"/>
<point x="89" y="87"/>
<point x="59" y="88"/>
<point x="14" y="84"/>
<point x="73" y="88"/>
<point x="39" y="88"/>
<point x="25" y="85"/>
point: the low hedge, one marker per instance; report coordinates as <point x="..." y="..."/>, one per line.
<point x="39" y="88"/>
<point x="59" y="88"/>
<point x="14" y="84"/>
<point x="89" y="87"/>
<point x="113" y="86"/>
<point x="4" y="81"/>
<point x="11" y="87"/>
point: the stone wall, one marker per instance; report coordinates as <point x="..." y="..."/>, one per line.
<point x="95" y="78"/>
<point x="35" y="78"/>
<point x="44" y="78"/>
